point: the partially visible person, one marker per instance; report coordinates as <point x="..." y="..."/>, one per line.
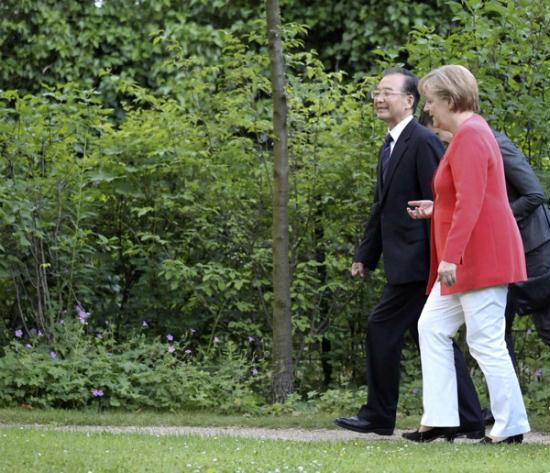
<point x="444" y="136"/>
<point x="526" y="198"/>
<point x="407" y="161"/>
<point x="476" y="251"/>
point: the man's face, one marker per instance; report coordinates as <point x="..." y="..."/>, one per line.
<point x="391" y="104"/>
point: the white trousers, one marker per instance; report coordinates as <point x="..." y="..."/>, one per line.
<point x="483" y="312"/>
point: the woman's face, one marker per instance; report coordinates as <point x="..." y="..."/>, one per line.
<point x="439" y="110"/>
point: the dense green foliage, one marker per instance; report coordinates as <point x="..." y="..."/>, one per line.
<point x="344" y="32"/>
<point x="137" y="185"/>
<point x="52" y="42"/>
<point x="165" y="218"/>
<point x="506" y="44"/>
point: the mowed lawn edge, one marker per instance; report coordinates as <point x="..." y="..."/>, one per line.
<point x="197" y="419"/>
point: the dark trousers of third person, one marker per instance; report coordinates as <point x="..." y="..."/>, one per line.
<point x="538" y="263"/>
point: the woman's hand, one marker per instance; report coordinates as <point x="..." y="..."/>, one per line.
<point x="420" y="208"/>
<point x="446" y="273"/>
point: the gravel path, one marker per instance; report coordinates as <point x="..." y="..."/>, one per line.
<point x="301" y="435"/>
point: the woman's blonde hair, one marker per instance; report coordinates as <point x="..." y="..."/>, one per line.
<point x="453" y="83"/>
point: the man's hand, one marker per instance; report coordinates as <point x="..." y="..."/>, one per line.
<point x="446" y="273"/>
<point x="420" y="208"/>
<point x="357" y="269"/>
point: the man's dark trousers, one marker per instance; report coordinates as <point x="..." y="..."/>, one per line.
<point x="398" y="312"/>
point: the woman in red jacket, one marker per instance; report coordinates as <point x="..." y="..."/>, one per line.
<point x="476" y="251"/>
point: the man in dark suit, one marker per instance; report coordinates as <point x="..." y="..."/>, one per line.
<point x="407" y="162"/>
<point x="526" y="198"/>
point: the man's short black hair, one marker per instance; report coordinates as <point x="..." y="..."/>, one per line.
<point x="411" y="83"/>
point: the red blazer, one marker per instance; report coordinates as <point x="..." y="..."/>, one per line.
<point x="472" y="222"/>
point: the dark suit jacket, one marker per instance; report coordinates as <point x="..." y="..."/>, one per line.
<point x="404" y="242"/>
<point x="526" y="198"/>
<point x="525" y="194"/>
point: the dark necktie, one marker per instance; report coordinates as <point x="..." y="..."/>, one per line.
<point x="385" y="156"/>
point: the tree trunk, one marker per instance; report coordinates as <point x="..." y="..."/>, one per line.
<point x="283" y="374"/>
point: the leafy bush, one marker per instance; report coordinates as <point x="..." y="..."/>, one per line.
<point x="86" y="367"/>
<point x="166" y="217"/>
<point x="83" y="369"/>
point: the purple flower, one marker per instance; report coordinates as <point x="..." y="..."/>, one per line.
<point x="538" y="373"/>
<point x="19" y="333"/>
<point x="28" y="345"/>
<point x="40" y="334"/>
<point x="528" y="332"/>
<point x="188" y="351"/>
<point x="33" y="331"/>
<point x="171" y="349"/>
<point x="97" y="393"/>
<point x="254" y="371"/>
<point x="216" y="340"/>
<point x="62" y="322"/>
<point x="82" y="314"/>
<point x="192" y="331"/>
<point x="169" y="337"/>
<point x="53" y="355"/>
<point x="251" y="339"/>
<point x="145" y="324"/>
<point x="414" y="391"/>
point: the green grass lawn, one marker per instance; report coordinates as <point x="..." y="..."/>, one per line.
<point x="28" y="450"/>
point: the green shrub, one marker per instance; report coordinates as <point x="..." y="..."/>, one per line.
<point x="165" y="215"/>
<point x="83" y="369"/>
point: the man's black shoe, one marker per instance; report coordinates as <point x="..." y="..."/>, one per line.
<point x="470" y="432"/>
<point x="361" y="425"/>
<point x="488" y="418"/>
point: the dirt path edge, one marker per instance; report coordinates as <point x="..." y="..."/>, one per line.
<point x="294" y="434"/>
